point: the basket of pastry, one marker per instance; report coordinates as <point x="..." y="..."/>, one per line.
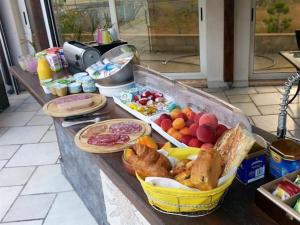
<point x="188" y="181"/>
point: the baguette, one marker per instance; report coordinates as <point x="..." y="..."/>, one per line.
<point x="234" y="146"/>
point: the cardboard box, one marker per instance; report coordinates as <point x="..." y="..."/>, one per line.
<point x="253" y="168"/>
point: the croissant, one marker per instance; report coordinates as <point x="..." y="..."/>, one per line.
<point x="148" y="162"/>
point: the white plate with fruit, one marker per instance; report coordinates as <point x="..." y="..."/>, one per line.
<point x="144" y="102"/>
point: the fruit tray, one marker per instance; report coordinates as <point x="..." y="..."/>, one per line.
<point x="146" y="118"/>
<point x="281" y="210"/>
<point x="187" y="96"/>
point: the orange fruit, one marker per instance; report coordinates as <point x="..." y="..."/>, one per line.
<point x="148" y="141"/>
<point x="171" y="131"/>
<point x="178" y="123"/>
<point x="175" y="112"/>
<point x="177" y="135"/>
<point x="187" y="111"/>
<point x="185" y="131"/>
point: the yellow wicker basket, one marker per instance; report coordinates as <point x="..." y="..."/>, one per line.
<point x="176" y="200"/>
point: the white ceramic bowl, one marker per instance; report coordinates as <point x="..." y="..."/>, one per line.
<point x="110" y="91"/>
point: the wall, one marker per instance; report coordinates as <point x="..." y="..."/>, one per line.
<point x="274" y="42"/>
<point x="242" y="41"/>
<point x="13" y="28"/>
<point x="173" y="26"/>
<point x="214" y="22"/>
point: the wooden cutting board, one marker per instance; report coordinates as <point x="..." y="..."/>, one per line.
<point x="82" y="136"/>
<point x="51" y="109"/>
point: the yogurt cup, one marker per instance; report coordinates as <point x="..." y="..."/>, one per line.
<point x="46" y="85"/>
<point x="61" y="89"/>
<point x="88" y="84"/>
<point x="74" y="88"/>
<point x="89" y="87"/>
<point x="53" y="89"/>
<point x="77" y="76"/>
<point x="87" y="80"/>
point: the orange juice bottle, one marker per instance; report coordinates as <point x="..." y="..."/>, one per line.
<point x="43" y="68"/>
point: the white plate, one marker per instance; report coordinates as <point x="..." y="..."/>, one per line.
<point x="131" y="111"/>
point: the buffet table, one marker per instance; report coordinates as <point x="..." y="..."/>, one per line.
<point x="115" y="197"/>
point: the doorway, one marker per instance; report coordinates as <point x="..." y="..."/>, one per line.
<point x="273" y="26"/>
<point x="166" y="33"/>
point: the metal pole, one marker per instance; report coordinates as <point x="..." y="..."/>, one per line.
<point x="113" y="15"/>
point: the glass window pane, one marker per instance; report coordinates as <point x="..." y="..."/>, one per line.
<point x="78" y="19"/>
<point x="276" y="21"/>
<point x="166" y="33"/>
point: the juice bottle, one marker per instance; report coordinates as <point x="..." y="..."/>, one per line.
<point x="43" y="68"/>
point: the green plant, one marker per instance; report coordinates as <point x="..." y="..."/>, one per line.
<point x="276" y="22"/>
<point x="93" y="19"/>
<point x="107" y="20"/>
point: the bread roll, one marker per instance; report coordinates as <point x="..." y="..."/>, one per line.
<point x="206" y="170"/>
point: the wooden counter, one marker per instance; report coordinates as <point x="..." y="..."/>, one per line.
<point x="90" y="173"/>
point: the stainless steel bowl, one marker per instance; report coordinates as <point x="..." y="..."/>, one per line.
<point x="125" y="74"/>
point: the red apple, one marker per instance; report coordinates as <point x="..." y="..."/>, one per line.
<point x="209" y="120"/>
<point x="207" y="146"/>
<point x="185" y="139"/>
<point x="194" y="142"/>
<point x="188" y="123"/>
<point x="197" y="117"/>
<point x="183" y="116"/>
<point x="166" y="124"/>
<point x="158" y="121"/>
<point x="193" y="129"/>
<point x="165" y="116"/>
<point x="220" y="130"/>
<point x="206" y="134"/>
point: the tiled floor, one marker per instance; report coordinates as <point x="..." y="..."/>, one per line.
<point x="261" y="105"/>
<point x="33" y="190"/>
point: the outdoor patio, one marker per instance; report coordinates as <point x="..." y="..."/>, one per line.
<point x="32" y="189"/>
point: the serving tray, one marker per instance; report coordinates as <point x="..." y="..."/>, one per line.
<point x="281" y="211"/>
<point x="51" y="109"/>
<point x="81" y="138"/>
<point x="137" y="114"/>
